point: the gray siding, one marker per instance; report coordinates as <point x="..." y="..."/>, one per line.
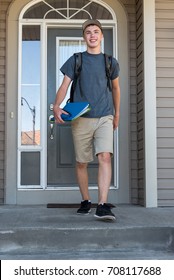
<point x="130" y="7"/>
<point x="140" y="100"/>
<point x="3" y="9"/>
<point x="165" y="101"/>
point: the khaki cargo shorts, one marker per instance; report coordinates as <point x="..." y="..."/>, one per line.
<point x="92" y="132"/>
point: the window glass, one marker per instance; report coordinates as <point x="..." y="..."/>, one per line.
<point x="30" y="168"/>
<point x="66" y="48"/>
<point x="61" y="9"/>
<point x="30" y="86"/>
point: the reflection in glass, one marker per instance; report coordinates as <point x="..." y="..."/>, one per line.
<point x="30" y="86"/>
<point x="33" y="112"/>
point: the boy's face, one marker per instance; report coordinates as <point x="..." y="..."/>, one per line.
<point x="93" y="36"/>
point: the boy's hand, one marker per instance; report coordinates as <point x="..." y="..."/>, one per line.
<point x="57" y="114"/>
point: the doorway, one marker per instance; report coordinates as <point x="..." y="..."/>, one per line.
<point x="60" y="151"/>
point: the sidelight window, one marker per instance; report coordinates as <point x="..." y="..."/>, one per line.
<point x="30" y="85"/>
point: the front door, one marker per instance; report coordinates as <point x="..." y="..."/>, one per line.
<point x="62" y="43"/>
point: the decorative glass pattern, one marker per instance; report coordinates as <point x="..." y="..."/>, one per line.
<point x="70" y="9"/>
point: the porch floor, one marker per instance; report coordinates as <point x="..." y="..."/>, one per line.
<point x="38" y="232"/>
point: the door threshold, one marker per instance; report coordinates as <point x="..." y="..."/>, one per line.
<point x="66" y="205"/>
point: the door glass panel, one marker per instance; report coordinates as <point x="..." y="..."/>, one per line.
<point x="30" y="168"/>
<point x="66" y="48"/>
<point x="30" y="86"/>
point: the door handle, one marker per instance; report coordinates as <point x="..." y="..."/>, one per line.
<point x="51" y="121"/>
<point x="51" y="107"/>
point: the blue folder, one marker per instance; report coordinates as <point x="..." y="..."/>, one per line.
<point x="75" y="110"/>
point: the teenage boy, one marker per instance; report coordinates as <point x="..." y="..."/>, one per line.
<point x="97" y="125"/>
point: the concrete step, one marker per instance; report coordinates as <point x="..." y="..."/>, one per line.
<point x="37" y="232"/>
<point x="82" y="239"/>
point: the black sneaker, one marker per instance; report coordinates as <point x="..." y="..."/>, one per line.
<point x="85" y="208"/>
<point x="103" y="212"/>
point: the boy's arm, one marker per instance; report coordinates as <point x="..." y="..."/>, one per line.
<point x="116" y="101"/>
<point x="60" y="96"/>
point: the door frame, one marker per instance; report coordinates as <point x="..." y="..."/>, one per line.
<point x="115" y="183"/>
<point x="40" y="196"/>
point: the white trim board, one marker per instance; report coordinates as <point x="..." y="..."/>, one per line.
<point x="150" y="104"/>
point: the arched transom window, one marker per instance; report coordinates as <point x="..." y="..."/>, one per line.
<point x="67" y="9"/>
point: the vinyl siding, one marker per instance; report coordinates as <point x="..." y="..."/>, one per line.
<point x="165" y="101"/>
<point x="140" y="100"/>
<point x="3" y="10"/>
<point x="130" y="7"/>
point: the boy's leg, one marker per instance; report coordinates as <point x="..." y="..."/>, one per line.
<point x="104" y="149"/>
<point x="82" y="130"/>
<point x="103" y="211"/>
<point x="104" y="176"/>
<point x="82" y="178"/>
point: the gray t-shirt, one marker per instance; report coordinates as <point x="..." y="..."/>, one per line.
<point x="93" y="81"/>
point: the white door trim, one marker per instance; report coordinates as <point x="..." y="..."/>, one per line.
<point x="150" y="104"/>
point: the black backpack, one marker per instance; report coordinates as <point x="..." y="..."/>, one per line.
<point x="78" y="68"/>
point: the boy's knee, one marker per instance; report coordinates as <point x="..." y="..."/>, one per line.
<point x="81" y="165"/>
<point x="104" y="157"/>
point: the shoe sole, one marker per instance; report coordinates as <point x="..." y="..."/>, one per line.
<point x="105" y="218"/>
<point x="83" y="214"/>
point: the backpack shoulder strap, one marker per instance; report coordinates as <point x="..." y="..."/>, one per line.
<point x="77" y="70"/>
<point x="108" y="67"/>
<point x="78" y="64"/>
